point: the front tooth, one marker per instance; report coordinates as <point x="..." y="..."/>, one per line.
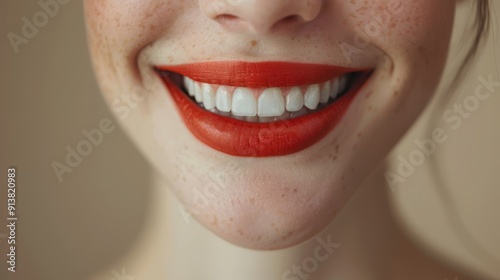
<point x="294" y="100"/>
<point x="188" y="84"/>
<point x="223" y="99"/>
<point x="311" y="99"/>
<point x="244" y="103"/>
<point x="208" y="96"/>
<point x="198" y="94"/>
<point x="325" y="92"/>
<point x="271" y="103"/>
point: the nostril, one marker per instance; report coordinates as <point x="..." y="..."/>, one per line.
<point x="226" y="18"/>
<point x="289" y="19"/>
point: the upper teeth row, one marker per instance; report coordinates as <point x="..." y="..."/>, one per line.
<point x="271" y="102"/>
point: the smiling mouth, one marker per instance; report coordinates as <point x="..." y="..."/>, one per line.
<point x="261" y="109"/>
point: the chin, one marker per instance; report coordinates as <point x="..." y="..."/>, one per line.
<point x="276" y="211"/>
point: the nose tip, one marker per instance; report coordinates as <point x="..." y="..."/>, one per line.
<point x="260" y="16"/>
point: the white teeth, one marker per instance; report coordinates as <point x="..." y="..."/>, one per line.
<point x="271" y="103"/>
<point x="244" y="103"/>
<point x="325" y="93"/>
<point x="335" y="88"/>
<point x="311" y="99"/>
<point x="294" y="100"/>
<point x="198" y="94"/>
<point x="208" y="96"/>
<point x="188" y="83"/>
<point x="223" y="100"/>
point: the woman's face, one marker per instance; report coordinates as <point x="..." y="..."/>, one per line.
<point x="302" y="99"/>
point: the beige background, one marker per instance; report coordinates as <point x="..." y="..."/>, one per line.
<point x="70" y="229"/>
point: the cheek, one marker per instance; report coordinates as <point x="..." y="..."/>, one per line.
<point x="119" y="30"/>
<point x="414" y="35"/>
<point x="399" y="26"/>
<point x="129" y="22"/>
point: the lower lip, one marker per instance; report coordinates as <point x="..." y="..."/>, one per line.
<point x="245" y="139"/>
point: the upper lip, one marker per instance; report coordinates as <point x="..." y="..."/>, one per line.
<point x="259" y="74"/>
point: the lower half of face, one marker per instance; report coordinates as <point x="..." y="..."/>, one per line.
<point x="264" y="116"/>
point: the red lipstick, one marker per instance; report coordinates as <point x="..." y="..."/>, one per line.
<point x="246" y="139"/>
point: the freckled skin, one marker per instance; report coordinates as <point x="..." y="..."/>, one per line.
<point x="270" y="203"/>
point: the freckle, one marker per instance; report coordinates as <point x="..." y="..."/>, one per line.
<point x="230" y="219"/>
<point x="283" y="195"/>
<point x="334" y="158"/>
<point x="240" y="232"/>
<point x="253" y="43"/>
<point x="294" y="190"/>
<point x="334" y="141"/>
<point x="360" y="134"/>
<point x="396" y="93"/>
<point x="337" y="148"/>
<point x="342" y="178"/>
<point x="370" y="108"/>
<point x="259" y="238"/>
<point x="252" y="201"/>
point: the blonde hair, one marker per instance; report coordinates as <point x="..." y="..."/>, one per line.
<point x="480" y="28"/>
